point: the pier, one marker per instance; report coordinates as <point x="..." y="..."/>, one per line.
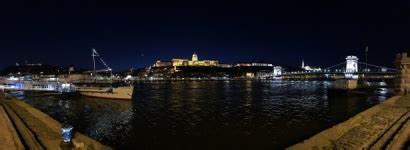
<point x="24" y="127"/>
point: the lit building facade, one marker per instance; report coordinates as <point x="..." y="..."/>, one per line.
<point x="309" y="68"/>
<point x="186" y="62"/>
<point x="254" y="65"/>
<point x="197" y="67"/>
<point x="225" y="65"/>
<point x="163" y="63"/>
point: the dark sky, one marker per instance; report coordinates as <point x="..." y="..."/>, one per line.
<point x="136" y="34"/>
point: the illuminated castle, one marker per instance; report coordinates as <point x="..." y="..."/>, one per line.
<point x="186" y="62"/>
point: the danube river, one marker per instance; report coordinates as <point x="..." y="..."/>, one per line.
<point x="207" y="114"/>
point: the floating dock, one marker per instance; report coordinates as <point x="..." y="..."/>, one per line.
<point x="25" y="127"/>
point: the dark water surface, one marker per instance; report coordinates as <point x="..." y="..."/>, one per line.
<point x="208" y="114"/>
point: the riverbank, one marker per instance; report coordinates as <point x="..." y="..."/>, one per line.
<point x="29" y="128"/>
<point x="384" y="126"/>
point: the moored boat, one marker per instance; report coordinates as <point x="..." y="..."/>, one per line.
<point x="124" y="93"/>
<point x="90" y="86"/>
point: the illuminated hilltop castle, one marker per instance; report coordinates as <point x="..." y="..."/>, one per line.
<point x="186" y="62"/>
<point x="206" y="68"/>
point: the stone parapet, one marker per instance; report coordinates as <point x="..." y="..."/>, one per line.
<point x="35" y="129"/>
<point x="379" y="127"/>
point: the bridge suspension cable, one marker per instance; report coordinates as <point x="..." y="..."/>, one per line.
<point x="335" y="65"/>
<point x="381" y="67"/>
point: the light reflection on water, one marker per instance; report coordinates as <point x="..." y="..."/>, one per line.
<point x="208" y="114"/>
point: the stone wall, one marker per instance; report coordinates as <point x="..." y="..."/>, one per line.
<point x="402" y="82"/>
<point x="376" y="128"/>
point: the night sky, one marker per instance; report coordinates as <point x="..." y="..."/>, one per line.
<point x="136" y="34"/>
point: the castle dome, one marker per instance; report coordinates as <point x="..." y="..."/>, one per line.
<point x="194" y="57"/>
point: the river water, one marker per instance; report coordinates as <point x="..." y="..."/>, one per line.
<point x="207" y="114"/>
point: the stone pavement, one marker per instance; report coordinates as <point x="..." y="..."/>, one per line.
<point x="9" y="138"/>
<point x="381" y="127"/>
<point x="24" y="127"/>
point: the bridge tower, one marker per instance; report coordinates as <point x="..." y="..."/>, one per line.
<point x="351" y="67"/>
<point x="277" y="71"/>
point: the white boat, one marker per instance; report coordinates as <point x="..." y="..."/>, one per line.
<point x="41" y="86"/>
<point x="124" y="93"/>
